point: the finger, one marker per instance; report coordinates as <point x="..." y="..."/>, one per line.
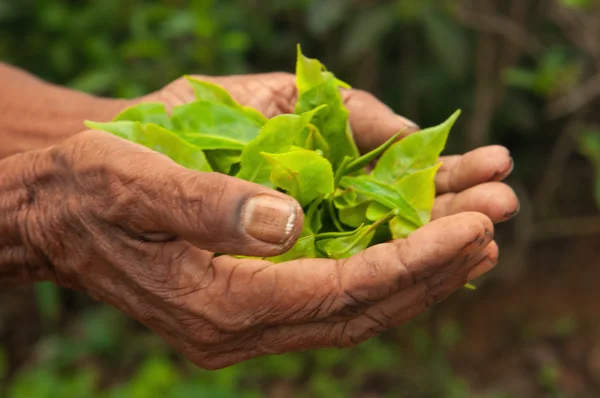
<point x="372" y="122"/>
<point x="153" y="197"/>
<point x="459" y="172"/>
<point x="485" y="266"/>
<point x="312" y="289"/>
<point x="470" y="256"/>
<point x="494" y="199"/>
<point x="391" y="312"/>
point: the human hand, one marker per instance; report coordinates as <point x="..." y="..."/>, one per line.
<point x="136" y="230"/>
<point x="469" y="182"/>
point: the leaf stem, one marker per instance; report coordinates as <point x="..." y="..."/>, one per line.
<point x="334" y="217"/>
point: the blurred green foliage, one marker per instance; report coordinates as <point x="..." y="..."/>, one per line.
<point x="103" y="355"/>
<point x="418" y="56"/>
<point x="589" y="146"/>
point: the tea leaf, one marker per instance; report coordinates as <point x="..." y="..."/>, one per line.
<point x="317" y="87"/>
<point x="303" y="248"/>
<point x="304" y="174"/>
<point x="357" y="241"/>
<point x="347" y="246"/>
<point x="211" y="125"/>
<point x="417" y="151"/>
<point x="354" y="216"/>
<point x="223" y="160"/>
<point x="277" y="136"/>
<point x="212" y="92"/>
<point x="418" y="189"/>
<point x="311" y="138"/>
<point x="160" y="140"/>
<point x="367" y="158"/>
<point x="313" y="218"/>
<point x="148" y="112"/>
<point x="385" y="194"/>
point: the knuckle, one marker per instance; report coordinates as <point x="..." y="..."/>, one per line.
<point x="354" y="336"/>
<point x="49" y="216"/>
<point x="122" y="195"/>
<point x="363" y="334"/>
<point x="235" y="324"/>
<point x="210" y="202"/>
<point x="205" y="334"/>
<point x="355" y="332"/>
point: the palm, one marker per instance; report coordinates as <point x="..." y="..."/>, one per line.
<point x="267" y="308"/>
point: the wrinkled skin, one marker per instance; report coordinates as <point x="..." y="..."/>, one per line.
<point x="136" y="230"/>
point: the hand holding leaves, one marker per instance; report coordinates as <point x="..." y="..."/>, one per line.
<point x="311" y="155"/>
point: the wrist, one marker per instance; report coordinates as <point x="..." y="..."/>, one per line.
<point x="22" y="229"/>
<point x="37" y="114"/>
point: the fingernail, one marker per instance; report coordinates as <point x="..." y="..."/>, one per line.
<point x="269" y="219"/>
<point x="511" y="214"/>
<point x="512" y="166"/>
<point x="481" y="268"/>
<point x="409" y="123"/>
<point x="500" y="175"/>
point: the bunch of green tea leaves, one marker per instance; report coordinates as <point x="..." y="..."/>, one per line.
<point x="310" y="154"/>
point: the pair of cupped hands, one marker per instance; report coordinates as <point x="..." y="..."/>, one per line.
<point x="136" y="230"/>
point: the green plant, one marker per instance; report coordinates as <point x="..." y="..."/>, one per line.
<point x="589" y="146"/>
<point x="309" y="154"/>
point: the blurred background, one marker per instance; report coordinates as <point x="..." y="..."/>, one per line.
<point x="527" y="75"/>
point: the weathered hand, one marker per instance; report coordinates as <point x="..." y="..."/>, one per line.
<point x="470" y="182"/>
<point x="136" y="230"/>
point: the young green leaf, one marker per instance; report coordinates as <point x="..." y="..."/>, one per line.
<point x="211" y="92"/>
<point x="355" y="216"/>
<point x="158" y="139"/>
<point x="343" y="198"/>
<point x="311" y="138"/>
<point x="316" y="87"/>
<point x="339" y="173"/>
<point x="309" y="72"/>
<point x="147" y="112"/>
<point x="124" y="129"/>
<point x="303" y="248"/>
<point x="336" y="234"/>
<point x="346" y="246"/>
<point x="589" y="146"/>
<point x="418" y="189"/>
<point x="211" y="142"/>
<point x="417" y="151"/>
<point x="223" y="160"/>
<point x="304" y="174"/>
<point x="277" y="136"/>
<point x="333" y="216"/>
<point x="367" y="158"/>
<point x="385" y="194"/>
<point x="376" y="210"/>
<point x="212" y="125"/>
<point x="313" y="218"/>
<point x="351" y="207"/>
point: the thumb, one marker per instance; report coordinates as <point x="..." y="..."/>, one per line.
<point x="162" y="200"/>
<point x="225" y="214"/>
